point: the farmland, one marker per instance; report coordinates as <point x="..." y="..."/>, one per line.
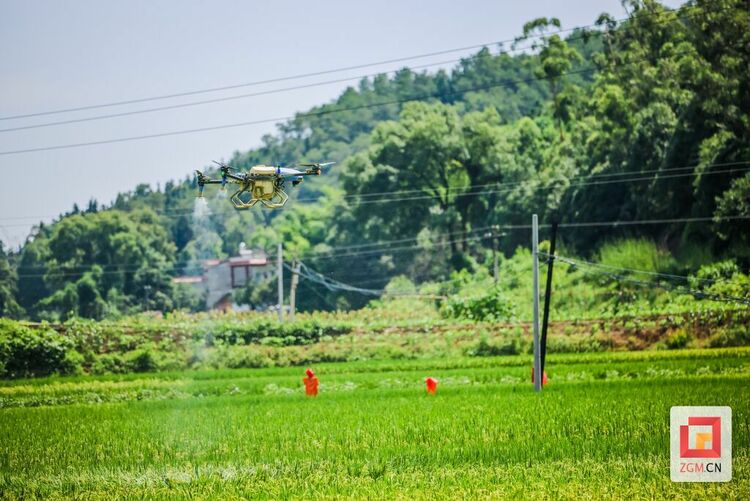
<point x="600" y="427"/>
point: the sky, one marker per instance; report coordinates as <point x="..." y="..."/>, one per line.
<point x="60" y="55"/>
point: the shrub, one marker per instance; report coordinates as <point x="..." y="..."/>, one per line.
<point x="678" y="339"/>
<point x="736" y="335"/>
<point x="109" y="363"/>
<point x="484" y="348"/>
<point x="573" y="344"/>
<point x="251" y="357"/>
<point x="72" y="363"/>
<point x="28" y="352"/>
<point x="489" y="307"/>
<point x="142" y="359"/>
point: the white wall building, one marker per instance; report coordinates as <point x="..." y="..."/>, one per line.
<point x="222" y="276"/>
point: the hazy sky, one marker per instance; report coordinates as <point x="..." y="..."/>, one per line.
<point x="58" y="55"/>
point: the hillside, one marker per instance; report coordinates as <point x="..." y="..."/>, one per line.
<point x="636" y="121"/>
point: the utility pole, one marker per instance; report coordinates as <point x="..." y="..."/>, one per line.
<point x="293" y="290"/>
<point x="280" y="279"/>
<point x="535" y="287"/>
<point x="494" y="255"/>
<point x="493" y="235"/>
<point x="548" y="291"/>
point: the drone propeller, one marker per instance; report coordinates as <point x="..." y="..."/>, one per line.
<point x="201" y="183"/>
<point x="224" y="169"/>
<point x="318" y="164"/>
<point x="315" y="167"/>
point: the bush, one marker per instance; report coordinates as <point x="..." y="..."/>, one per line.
<point x="490" y="307"/>
<point x="72" y="363"/>
<point x="678" y="339"/>
<point x="736" y="335"/>
<point x="142" y="359"/>
<point x="250" y="357"/>
<point x="29" y="352"/>
<point x="573" y="344"/>
<point x="484" y="348"/>
<point x="109" y="363"/>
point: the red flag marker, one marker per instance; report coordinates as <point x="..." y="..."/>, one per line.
<point x="431" y="385"/>
<point x="311" y="383"/>
<point x="544" y="377"/>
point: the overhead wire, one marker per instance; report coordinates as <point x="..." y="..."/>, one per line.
<point x="236" y="97"/>
<point x="671" y="276"/>
<point x="318" y="113"/>
<point x="300" y="115"/>
<point x="466" y="191"/>
<point x="621" y="277"/>
<point x="329" y="71"/>
<point x="331" y="254"/>
<point x="584" y="29"/>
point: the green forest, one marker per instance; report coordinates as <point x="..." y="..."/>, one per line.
<point x="642" y="121"/>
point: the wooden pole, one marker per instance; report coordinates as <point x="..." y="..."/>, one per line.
<point x="293" y="290"/>
<point x="548" y="292"/>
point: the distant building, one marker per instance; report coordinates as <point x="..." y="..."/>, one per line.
<point x="222" y="276"/>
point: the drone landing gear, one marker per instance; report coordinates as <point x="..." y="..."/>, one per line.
<point x="278" y="195"/>
<point x="275" y="201"/>
<point x="239" y="203"/>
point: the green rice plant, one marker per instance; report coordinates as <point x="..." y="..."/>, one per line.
<point x="600" y="429"/>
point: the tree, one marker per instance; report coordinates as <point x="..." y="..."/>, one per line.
<point x="9" y="306"/>
<point x="731" y="207"/>
<point x="556" y="58"/>
<point x="89" y="255"/>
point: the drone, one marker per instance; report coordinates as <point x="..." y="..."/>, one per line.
<point x="262" y="183"/>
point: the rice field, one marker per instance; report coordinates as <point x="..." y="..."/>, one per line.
<point x="599" y="430"/>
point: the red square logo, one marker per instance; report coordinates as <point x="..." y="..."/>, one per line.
<point x="702" y="439"/>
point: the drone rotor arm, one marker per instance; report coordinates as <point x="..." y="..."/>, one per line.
<point x="235" y="177"/>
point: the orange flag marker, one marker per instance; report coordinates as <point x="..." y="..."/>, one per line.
<point x="311" y="383"/>
<point x="431" y="385"/>
<point x="544" y="377"/>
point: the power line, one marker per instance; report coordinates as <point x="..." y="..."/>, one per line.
<point x="300" y="76"/>
<point x="329" y="283"/>
<point x="585" y="35"/>
<point x="618" y="23"/>
<point x="135" y="267"/>
<point x="215" y="100"/>
<point x="515" y="183"/>
<point x="594" y="178"/>
<point x="592" y="183"/>
<point x="330" y="254"/>
<point x="650" y="221"/>
<point x="302" y="115"/>
<point x="269" y="258"/>
<point x="236" y="97"/>
<point x="323" y="112"/>
<point x="336" y="286"/>
<point x="698" y="294"/>
<point x="582" y="262"/>
<point x="279" y="119"/>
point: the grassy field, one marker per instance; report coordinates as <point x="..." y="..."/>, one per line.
<point x="600" y="429"/>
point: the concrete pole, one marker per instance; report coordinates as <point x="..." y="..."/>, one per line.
<point x="293" y="290"/>
<point x="535" y="286"/>
<point x="494" y="256"/>
<point x="280" y="278"/>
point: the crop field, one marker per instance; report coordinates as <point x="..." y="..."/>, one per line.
<point x="600" y="428"/>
